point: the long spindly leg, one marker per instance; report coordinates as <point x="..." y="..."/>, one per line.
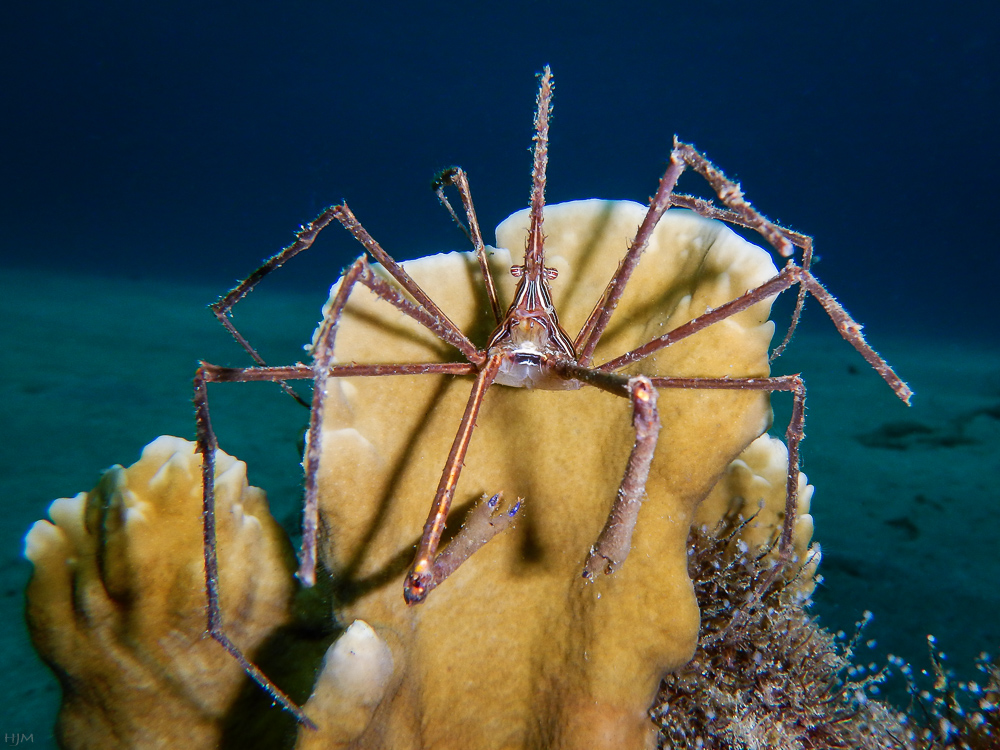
<point x="456" y="176"/>
<point x="426" y="312"/>
<point x="222" y="309"/>
<point x="802" y="241"/>
<point x="793" y="437"/>
<point x="207" y="446"/>
<point x="615" y="540"/>
<point x="454" y="334"/>
<point x="323" y="352"/>
<point x="738" y="211"/>
<point x="304" y="239"/>
<point x="770" y="288"/>
<point x="791" y="274"/>
<point x="592" y="330"/>
<point x="783" y="240"/>
<point x="321" y="370"/>
<point x="421" y="578"/>
<point x="730" y="194"/>
<point x="483" y="521"/>
<point x="680" y="158"/>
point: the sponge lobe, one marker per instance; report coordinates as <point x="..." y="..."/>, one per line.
<point x="117" y="607"/>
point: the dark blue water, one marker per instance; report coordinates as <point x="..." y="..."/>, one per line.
<point x="188" y="140"/>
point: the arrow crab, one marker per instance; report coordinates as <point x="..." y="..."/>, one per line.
<point x="528" y="348"/>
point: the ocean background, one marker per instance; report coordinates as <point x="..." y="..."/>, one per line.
<point x="152" y="155"/>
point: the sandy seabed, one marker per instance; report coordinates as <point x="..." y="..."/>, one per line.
<point x="907" y="505"/>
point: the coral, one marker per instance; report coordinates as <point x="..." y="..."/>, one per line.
<point x="751" y="496"/>
<point x="137" y="671"/>
<point x="116" y="605"/>
<point x="555" y="661"/>
<point x="515" y="649"/>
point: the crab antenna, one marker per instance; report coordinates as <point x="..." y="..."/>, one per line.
<point x="534" y="259"/>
